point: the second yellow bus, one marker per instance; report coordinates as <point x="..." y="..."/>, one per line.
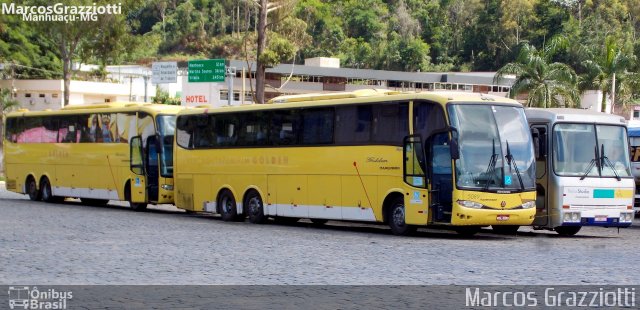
<point x="407" y="159"/>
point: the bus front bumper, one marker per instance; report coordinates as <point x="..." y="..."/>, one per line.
<point x="462" y="216"/>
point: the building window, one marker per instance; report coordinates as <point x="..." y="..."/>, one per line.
<point x="107" y="100"/>
<point x="27" y="95"/>
<point x="41" y="95"/>
<point x="636" y="114"/>
<point x="54" y="95"/>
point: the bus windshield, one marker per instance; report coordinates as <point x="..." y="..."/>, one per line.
<point x="575" y="148"/>
<point x="166" y="130"/>
<point x="496" y="152"/>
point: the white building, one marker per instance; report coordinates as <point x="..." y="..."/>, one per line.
<point x="325" y="75"/>
<point x="49" y="94"/>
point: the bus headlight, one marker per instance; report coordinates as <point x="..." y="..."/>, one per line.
<point x="626" y="217"/>
<point x="167" y="187"/>
<point x="575" y="217"/>
<point x="529" y="204"/>
<point x="470" y="204"/>
<point x="571" y="217"/>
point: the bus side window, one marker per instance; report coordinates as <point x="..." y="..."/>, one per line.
<point x="285" y="125"/>
<point x="390" y="123"/>
<point x="353" y="124"/>
<point x="317" y="126"/>
<point x="183" y="132"/>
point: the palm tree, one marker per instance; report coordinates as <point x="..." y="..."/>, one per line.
<point x="7" y="102"/>
<point x="546" y="84"/>
<point x="606" y="69"/>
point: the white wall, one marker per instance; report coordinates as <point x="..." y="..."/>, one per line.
<point x="592" y="100"/>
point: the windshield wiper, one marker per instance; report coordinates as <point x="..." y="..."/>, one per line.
<point x="594" y="162"/>
<point x="510" y="160"/>
<point x="605" y="160"/>
<point x="491" y="167"/>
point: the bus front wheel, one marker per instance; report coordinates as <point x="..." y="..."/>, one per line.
<point x="32" y="189"/>
<point x="137" y="206"/>
<point x="228" y="208"/>
<point x="255" y="208"/>
<point x="567" y="230"/>
<point x="396" y="219"/>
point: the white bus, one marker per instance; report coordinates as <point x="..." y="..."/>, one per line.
<point x="583" y="171"/>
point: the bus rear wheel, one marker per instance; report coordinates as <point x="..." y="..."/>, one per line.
<point x="32" y="189"/>
<point x="567" y="230"/>
<point x="228" y="208"/>
<point x="505" y="229"/>
<point x="254" y="208"/>
<point x="396" y="219"/>
<point x="46" y="193"/>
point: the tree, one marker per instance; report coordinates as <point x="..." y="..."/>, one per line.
<point x="7" y="103"/>
<point x="546" y="84"/>
<point x="78" y="38"/>
<point x="604" y="68"/>
<point x="265" y="57"/>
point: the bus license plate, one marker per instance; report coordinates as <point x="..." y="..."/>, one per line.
<point x="601" y="218"/>
<point x="502" y="217"/>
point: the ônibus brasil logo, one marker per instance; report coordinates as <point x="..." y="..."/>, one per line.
<point x="23" y="297"/>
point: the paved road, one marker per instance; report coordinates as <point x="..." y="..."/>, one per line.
<point x="75" y="244"/>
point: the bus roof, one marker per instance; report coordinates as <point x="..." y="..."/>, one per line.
<point x="572" y="115"/>
<point x="103" y="108"/>
<point x="359" y="96"/>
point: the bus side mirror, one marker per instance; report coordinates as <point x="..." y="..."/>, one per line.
<point x="454" y="147"/>
<point x="535" y="134"/>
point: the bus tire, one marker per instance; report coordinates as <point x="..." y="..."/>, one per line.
<point x="45" y="190"/>
<point x="467" y="231"/>
<point x="137" y="206"/>
<point x="32" y="189"/>
<point x="254" y="208"/>
<point x="505" y="229"/>
<point x="228" y="207"/>
<point x="567" y="230"/>
<point x="94" y="202"/>
<point x="319" y="221"/>
<point x="396" y="219"/>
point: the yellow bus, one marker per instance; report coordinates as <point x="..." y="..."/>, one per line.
<point x="407" y="159"/>
<point x="84" y="152"/>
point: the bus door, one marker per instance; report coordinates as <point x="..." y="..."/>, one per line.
<point x="137" y="166"/>
<point x="540" y="140"/>
<point x="440" y="174"/>
<point x="151" y="167"/>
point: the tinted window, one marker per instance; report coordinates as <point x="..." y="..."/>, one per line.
<point x="390" y="123"/>
<point x="254" y="129"/>
<point x="317" y="126"/>
<point x="184" y="131"/>
<point x="285" y="125"/>
<point x="428" y="118"/>
<point x="353" y="124"/>
<point x="226" y="129"/>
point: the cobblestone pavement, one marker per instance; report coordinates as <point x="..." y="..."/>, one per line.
<point x="75" y="244"/>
